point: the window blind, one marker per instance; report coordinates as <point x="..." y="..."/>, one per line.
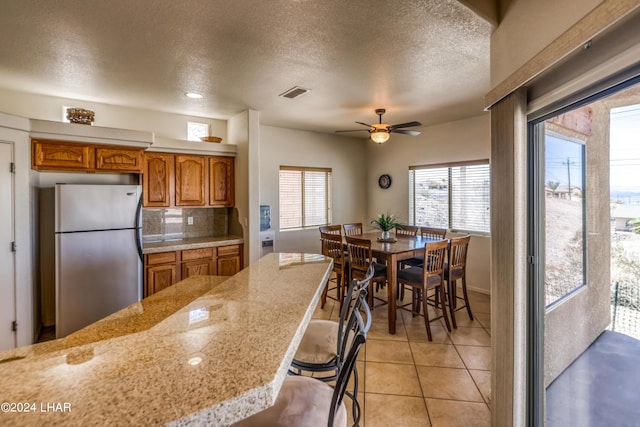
<point x="454" y="196"/>
<point x="305" y="199"/>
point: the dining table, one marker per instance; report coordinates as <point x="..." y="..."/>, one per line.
<point x="390" y="252"/>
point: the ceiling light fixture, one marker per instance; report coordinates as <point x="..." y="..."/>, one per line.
<point x="380" y="136"/>
<point x="193" y="95"/>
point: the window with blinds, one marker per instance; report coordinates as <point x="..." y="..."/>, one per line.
<point x="305" y="197"/>
<point x="454" y="196"/>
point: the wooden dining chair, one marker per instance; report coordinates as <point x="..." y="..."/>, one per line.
<point x="331" y="229"/>
<point x="360" y="259"/>
<point x="406" y="230"/>
<point x="425" y="232"/>
<point x="424" y="279"/>
<point x="454" y="270"/>
<point x="352" y="229"/>
<point x="434" y="233"/>
<point x="332" y="247"/>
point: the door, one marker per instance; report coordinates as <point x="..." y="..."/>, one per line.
<point x="7" y="259"/>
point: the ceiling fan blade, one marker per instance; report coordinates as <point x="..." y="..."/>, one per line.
<point x="353" y="130"/>
<point x="405" y="125"/>
<point x="363" y="124"/>
<point x="406" y="132"/>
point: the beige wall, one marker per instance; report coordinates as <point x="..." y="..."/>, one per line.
<point x="344" y="155"/>
<point x="468" y="139"/>
<point x="527" y="27"/>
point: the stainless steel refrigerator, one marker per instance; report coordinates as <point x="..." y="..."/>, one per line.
<point x="98" y="252"/>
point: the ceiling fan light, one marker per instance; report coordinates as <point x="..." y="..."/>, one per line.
<point x="380" y="136"/>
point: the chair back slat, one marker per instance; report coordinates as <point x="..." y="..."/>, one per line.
<point x="332" y="247"/>
<point x="434" y="233"/>
<point x="331" y="229"/>
<point x="458" y="249"/>
<point x="434" y="256"/>
<point x="407" y="230"/>
<point x="352" y="229"/>
<point x="359" y="254"/>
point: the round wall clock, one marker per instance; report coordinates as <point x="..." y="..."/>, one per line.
<point x="384" y="181"/>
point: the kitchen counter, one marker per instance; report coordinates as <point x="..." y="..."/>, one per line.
<point x="194" y="243"/>
<point x="209" y="350"/>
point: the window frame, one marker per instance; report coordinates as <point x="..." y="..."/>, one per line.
<point x="450" y="216"/>
<point x="328" y="206"/>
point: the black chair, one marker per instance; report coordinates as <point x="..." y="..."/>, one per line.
<point x="323" y="344"/>
<point x="305" y="401"/>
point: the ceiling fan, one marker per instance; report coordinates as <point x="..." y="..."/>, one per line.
<point x="380" y="132"/>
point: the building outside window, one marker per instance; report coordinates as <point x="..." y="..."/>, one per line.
<point x="305" y="197"/>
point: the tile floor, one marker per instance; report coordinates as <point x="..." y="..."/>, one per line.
<point x="405" y="380"/>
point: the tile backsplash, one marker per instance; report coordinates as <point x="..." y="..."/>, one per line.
<point x="173" y="223"/>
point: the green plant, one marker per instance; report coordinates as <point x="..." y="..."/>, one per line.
<point x="385" y="222"/>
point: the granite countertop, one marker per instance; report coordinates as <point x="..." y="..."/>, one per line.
<point x="209" y="350"/>
<point x="193" y="243"/>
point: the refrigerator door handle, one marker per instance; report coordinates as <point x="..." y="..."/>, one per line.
<point x="138" y="228"/>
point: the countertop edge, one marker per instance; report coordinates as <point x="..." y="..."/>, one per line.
<point x="179" y="245"/>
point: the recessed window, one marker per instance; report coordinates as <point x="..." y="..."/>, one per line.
<point x="196" y="130"/>
<point x="454" y="196"/>
<point x="305" y="197"/>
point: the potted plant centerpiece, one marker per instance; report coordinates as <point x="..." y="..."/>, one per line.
<point x="385" y="223"/>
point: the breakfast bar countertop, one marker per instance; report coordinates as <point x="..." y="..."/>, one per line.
<point x="150" y="247"/>
<point x="209" y="350"/>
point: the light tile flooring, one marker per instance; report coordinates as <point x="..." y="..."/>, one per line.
<point x="405" y="380"/>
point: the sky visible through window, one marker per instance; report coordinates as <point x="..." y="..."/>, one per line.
<point x="625" y="154"/>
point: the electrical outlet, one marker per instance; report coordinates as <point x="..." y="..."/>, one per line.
<point x="189" y="220"/>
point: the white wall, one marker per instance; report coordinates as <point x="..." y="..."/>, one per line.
<point x="468" y="139"/>
<point x="164" y="125"/>
<point x="344" y="155"/>
<point x="529" y="26"/>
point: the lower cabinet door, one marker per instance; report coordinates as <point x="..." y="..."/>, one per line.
<point x="203" y="267"/>
<point x="160" y="277"/>
<point x="228" y="266"/>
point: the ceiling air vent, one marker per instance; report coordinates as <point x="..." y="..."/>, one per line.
<point x="294" y="92"/>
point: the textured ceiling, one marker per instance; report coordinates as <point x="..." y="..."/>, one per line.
<point x="424" y="60"/>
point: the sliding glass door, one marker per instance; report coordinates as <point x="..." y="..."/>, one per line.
<point x="584" y="207"/>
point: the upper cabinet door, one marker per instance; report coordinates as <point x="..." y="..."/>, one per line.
<point x="221" y="181"/>
<point x="47" y="155"/>
<point x="157" y="179"/>
<point x="119" y="159"/>
<point x="191" y="183"/>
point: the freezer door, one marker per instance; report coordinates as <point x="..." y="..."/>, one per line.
<point x="97" y="274"/>
<point x="95" y="207"/>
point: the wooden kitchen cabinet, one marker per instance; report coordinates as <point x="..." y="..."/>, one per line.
<point x="221" y="181"/>
<point x="73" y="156"/>
<point x="52" y="155"/>
<point x="190" y="180"/>
<point x="161" y="271"/>
<point x="119" y="159"/>
<point x="198" y="262"/>
<point x="157" y="179"/>
<point x="167" y="268"/>
<point x="229" y="260"/>
<point x="187" y="180"/>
